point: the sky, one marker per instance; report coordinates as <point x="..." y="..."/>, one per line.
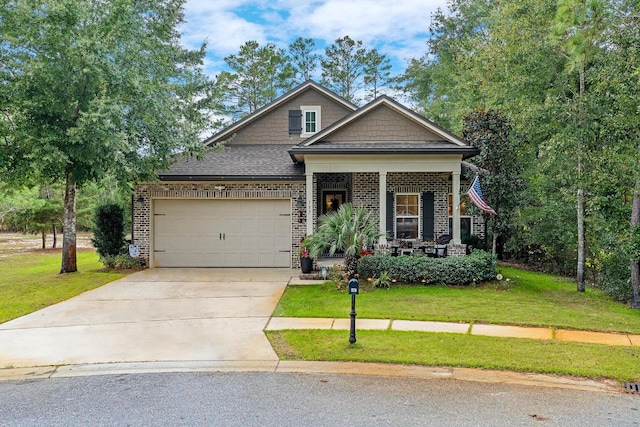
<point x="397" y="28"/>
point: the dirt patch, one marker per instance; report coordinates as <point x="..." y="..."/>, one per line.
<point x="18" y="243"/>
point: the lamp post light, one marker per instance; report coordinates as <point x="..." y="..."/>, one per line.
<point x="353" y="291"/>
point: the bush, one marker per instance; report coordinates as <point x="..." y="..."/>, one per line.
<point x="122" y="262"/>
<point x="475" y="242"/>
<point x="615" y="277"/>
<point x="108" y="231"/>
<point x="477" y="267"/>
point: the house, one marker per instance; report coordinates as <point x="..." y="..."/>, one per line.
<point x="251" y="203"/>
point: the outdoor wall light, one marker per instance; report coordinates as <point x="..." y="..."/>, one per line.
<point x="140" y="202"/>
<point x="300" y="202"/>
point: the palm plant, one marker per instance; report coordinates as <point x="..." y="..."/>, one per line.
<point x="349" y="230"/>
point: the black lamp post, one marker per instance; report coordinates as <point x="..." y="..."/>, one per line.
<point x="353" y="291"/>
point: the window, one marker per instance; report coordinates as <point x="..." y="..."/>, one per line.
<point x="310" y="120"/>
<point x="407" y="216"/>
<point x="465" y="219"/>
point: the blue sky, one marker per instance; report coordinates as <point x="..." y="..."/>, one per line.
<point x="397" y="28"/>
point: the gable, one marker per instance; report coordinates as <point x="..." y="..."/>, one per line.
<point x="383" y="127"/>
<point x="273" y="128"/>
<point x="383" y="124"/>
<point x="270" y="124"/>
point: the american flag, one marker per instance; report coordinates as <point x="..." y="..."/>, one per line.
<point x="475" y="194"/>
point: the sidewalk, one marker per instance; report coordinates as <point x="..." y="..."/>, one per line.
<point x="283" y="323"/>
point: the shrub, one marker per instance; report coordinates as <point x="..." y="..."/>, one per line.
<point x="108" y="231"/>
<point x="475" y="242"/>
<point x="615" y="277"/>
<point x="477" y="267"/>
<point x="122" y="262"/>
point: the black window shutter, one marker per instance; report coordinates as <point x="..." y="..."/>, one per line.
<point x="428" y="215"/>
<point x="390" y="209"/>
<point x="295" y="122"/>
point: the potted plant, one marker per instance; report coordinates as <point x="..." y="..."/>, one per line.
<point x="306" y="263"/>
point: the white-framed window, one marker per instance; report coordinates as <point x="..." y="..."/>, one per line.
<point x="407" y="216"/>
<point x="466" y="220"/>
<point x="310" y="120"/>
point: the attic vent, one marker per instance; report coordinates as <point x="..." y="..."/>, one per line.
<point x="295" y="122"/>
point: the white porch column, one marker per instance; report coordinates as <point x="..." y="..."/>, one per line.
<point x="455" y="189"/>
<point x="309" y="176"/>
<point x="383" y="208"/>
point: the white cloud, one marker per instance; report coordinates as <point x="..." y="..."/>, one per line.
<point x="398" y="28"/>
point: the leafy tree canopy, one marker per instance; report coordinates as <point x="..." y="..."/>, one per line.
<point x="89" y="87"/>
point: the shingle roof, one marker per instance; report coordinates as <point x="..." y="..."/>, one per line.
<point x="238" y="162"/>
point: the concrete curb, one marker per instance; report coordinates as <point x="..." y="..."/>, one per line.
<point x="314" y="368"/>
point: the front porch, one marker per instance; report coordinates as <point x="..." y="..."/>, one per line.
<point x="410" y="205"/>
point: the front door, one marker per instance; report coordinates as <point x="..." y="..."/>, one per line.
<point x="332" y="200"/>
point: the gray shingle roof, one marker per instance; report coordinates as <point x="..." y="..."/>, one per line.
<point x="235" y="162"/>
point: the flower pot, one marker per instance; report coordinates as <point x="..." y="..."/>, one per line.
<point x="306" y="264"/>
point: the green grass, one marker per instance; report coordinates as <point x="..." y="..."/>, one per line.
<point x="527" y="299"/>
<point x="29" y="282"/>
<point x="420" y="348"/>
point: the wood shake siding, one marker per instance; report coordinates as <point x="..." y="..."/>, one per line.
<point x="273" y="127"/>
<point x="383" y="124"/>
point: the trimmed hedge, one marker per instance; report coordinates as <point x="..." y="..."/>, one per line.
<point x="477" y="267"/>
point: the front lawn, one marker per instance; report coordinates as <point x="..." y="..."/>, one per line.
<point x="30" y="281"/>
<point x="522" y="298"/>
<point x="442" y="349"/>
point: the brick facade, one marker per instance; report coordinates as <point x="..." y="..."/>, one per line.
<point x="362" y="189"/>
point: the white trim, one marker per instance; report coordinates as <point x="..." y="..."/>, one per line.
<point x="349" y="163"/>
<point x="382" y="208"/>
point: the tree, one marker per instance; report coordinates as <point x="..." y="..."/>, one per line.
<point x="617" y="193"/>
<point x="32" y="210"/>
<point x="343" y="67"/>
<point x="303" y="60"/>
<point x="579" y="24"/>
<point x="492" y="133"/>
<point x="259" y="75"/>
<point x="90" y="87"/>
<point x="376" y="73"/>
<point x="349" y="230"/>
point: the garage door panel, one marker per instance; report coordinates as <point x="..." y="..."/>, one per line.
<point x="256" y="233"/>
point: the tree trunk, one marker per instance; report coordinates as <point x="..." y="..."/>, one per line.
<point x="69" y="229"/>
<point x="351" y="266"/>
<point x="44" y="239"/>
<point x="494" y="244"/>
<point x="581" y="255"/>
<point x="55" y="236"/>
<point x="580" y="195"/>
<point x="635" y="262"/>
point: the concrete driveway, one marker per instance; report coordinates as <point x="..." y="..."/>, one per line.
<point x="151" y="316"/>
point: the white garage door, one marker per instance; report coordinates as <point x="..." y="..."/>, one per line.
<point x="222" y="233"/>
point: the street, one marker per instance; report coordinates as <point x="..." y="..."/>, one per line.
<point x="277" y="399"/>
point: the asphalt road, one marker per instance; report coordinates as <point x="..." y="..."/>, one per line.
<point x="277" y="399"/>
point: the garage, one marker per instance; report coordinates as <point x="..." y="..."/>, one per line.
<point x="222" y="233"/>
